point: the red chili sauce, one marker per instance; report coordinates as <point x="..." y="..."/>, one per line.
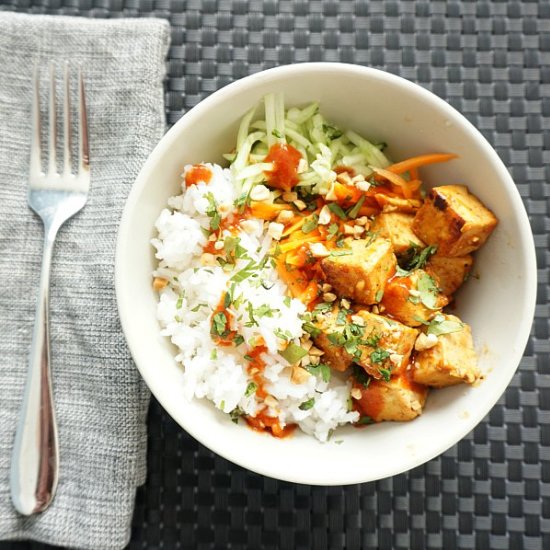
<point x="196" y="174"/>
<point x="262" y="421"/>
<point x="285" y="159"/>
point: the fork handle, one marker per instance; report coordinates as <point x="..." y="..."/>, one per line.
<point x="35" y="459"/>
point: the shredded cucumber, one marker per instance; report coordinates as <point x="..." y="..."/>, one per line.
<point x="322" y="145"/>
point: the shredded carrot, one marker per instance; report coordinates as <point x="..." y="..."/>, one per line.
<point x="266" y="210"/>
<point x="294" y="227"/>
<point x="346" y="194"/>
<point x="395" y="179"/>
<point x="311" y="292"/>
<point x="296" y="243"/>
<point x="417" y="162"/>
<point x="295" y="279"/>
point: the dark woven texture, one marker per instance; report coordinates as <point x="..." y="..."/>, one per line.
<point x="490" y="60"/>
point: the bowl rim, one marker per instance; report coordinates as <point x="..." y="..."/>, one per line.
<point x="526" y="241"/>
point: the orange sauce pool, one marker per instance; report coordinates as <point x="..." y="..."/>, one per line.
<point x="264" y="423"/>
<point x="196" y="174"/>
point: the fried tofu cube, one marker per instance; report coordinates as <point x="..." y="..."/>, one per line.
<point x="413" y="299"/>
<point x="400" y="399"/>
<point x="361" y="275"/>
<point x="380" y="345"/>
<point x="450" y="272"/>
<point x="386" y="345"/>
<point x="452" y="360"/>
<point x="397" y="204"/>
<point x="397" y="227"/>
<point x="330" y="325"/>
<point x="454" y="219"/>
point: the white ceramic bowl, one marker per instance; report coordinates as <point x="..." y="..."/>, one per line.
<point x="499" y="305"/>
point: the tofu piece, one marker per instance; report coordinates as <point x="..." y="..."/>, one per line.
<point x="413" y="299"/>
<point x="454" y="219"/>
<point x="449" y="272"/>
<point x="380" y="345"/>
<point x="451" y="361"/>
<point x="361" y="275"/>
<point x="335" y="355"/>
<point x="385" y="335"/>
<point x="397" y="204"/>
<point x="397" y="227"/>
<point x="400" y="399"/>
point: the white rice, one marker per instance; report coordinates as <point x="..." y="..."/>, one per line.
<point x="186" y="304"/>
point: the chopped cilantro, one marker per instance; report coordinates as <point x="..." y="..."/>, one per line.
<point x="379" y="295"/>
<point x="235" y="414"/>
<point x="341" y="317"/>
<point x="321" y="369"/>
<point x="416" y="257"/>
<point x="337" y="209"/>
<point x="214" y="354"/>
<point x="238" y="340"/>
<point x="310" y="224"/>
<point x="379" y="355"/>
<point x="310" y="328"/>
<point x="428" y="291"/>
<point x="287" y="301"/>
<point x="222" y="405"/>
<point x="219" y="323"/>
<point x="212" y="212"/>
<point x="245" y="272"/>
<point x="354" y="210"/>
<point x="439" y="325"/>
<point x="282" y="334"/>
<point x="372" y="340"/>
<point x="227" y="299"/>
<point x="249" y="357"/>
<point x="360" y="376"/>
<point x="332" y="230"/>
<point x="179" y="303"/>
<point x="306" y="405"/>
<point x="265" y="311"/>
<point x="365" y="420"/>
<point x="386" y="373"/>
<point x="250" y="389"/>
<point x="323" y="307"/>
<point x="276" y="133"/>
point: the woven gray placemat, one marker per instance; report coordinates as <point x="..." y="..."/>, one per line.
<point x="490" y="60"/>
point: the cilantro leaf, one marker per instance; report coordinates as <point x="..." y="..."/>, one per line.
<point x="250" y="389"/>
<point x="306" y="405"/>
<point x="428" y="291"/>
<point x="337" y="209"/>
<point x="320" y="369"/>
<point x="310" y="224"/>
<point x="439" y="325"/>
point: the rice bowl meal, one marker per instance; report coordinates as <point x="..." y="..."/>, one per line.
<point x="305" y="285"/>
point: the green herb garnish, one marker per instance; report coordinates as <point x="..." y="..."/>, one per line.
<point x="306" y="405"/>
<point x="321" y="369"/>
<point x="337" y="210"/>
<point x="250" y="389"/>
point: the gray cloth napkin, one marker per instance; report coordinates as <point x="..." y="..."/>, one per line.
<point x="100" y="398"/>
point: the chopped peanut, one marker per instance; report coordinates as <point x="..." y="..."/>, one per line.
<point x="159" y="283"/>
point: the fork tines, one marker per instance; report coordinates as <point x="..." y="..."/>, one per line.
<point x="36" y="152"/>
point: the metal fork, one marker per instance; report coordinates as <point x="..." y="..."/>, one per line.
<point x="55" y="197"/>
